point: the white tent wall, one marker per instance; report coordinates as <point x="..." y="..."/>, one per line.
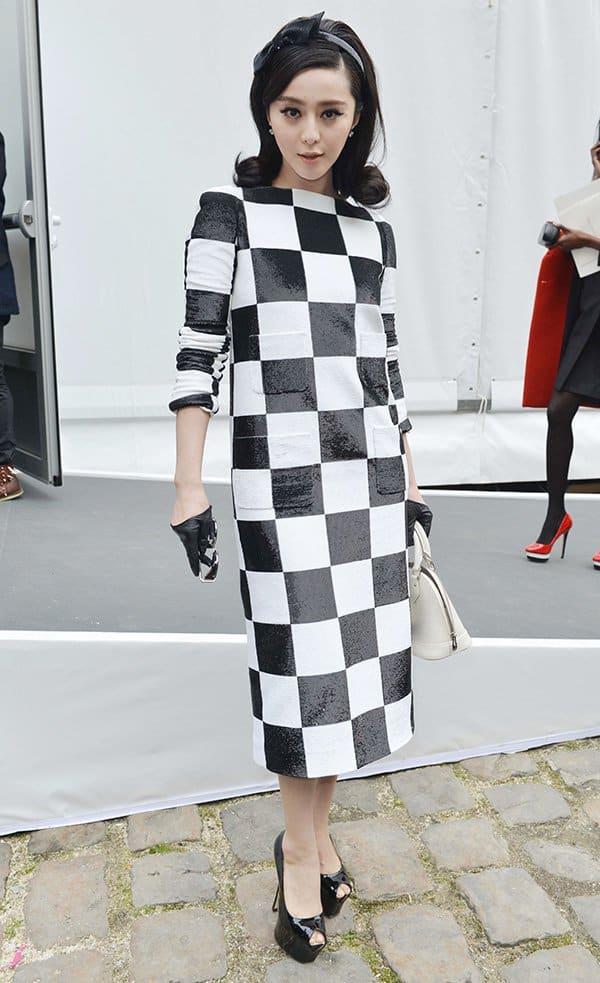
<point x="489" y="107"/>
<point x="91" y="753"/>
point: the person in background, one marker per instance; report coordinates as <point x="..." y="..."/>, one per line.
<point x="9" y="483"/>
<point x="577" y="380"/>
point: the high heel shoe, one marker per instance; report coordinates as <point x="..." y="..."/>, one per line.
<point x="330" y="883"/>
<point x="596" y="560"/>
<point x="541" y="551"/>
<point x="294" y="934"/>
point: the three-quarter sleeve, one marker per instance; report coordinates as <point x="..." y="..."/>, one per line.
<point x="204" y="339"/>
<point x="388" y="313"/>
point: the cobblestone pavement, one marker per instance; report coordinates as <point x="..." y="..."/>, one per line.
<point x="485" y="870"/>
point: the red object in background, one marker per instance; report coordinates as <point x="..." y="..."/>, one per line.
<point x="547" y="326"/>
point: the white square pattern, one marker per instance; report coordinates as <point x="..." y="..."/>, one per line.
<point x="318" y="647"/>
<point x="364" y="686"/>
<point x="303" y="543"/>
<point x="337" y="382"/>
<point x="353" y="586"/>
<point x="345" y="485"/>
<point x="271" y="228"/>
<point x="329" y="278"/>
<point x="284" y="315"/>
<point x="268" y="597"/>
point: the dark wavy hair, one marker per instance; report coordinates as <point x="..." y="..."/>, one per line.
<point x="352" y="175"/>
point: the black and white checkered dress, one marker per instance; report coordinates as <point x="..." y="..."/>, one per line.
<point x="296" y="289"/>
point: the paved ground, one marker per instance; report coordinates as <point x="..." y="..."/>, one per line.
<point x="487" y="870"/>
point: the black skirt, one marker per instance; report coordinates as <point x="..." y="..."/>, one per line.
<point x="579" y="366"/>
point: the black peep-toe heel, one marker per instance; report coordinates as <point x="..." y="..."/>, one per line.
<point x="332" y="905"/>
<point x="293" y="934"/>
<point x="330" y="883"/>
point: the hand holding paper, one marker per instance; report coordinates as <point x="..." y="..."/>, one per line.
<point x="579" y="212"/>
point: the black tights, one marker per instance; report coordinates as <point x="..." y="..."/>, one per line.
<point x="559" y="446"/>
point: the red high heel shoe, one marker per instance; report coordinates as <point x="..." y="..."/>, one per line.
<point x="541" y="551"/>
<point x="596" y="560"/>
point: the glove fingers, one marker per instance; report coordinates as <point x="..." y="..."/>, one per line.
<point x="189" y="538"/>
<point x="417" y="512"/>
<point x="198" y="533"/>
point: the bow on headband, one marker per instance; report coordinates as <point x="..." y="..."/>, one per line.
<point x="301" y="31"/>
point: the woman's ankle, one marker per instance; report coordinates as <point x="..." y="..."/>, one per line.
<point x="300" y="850"/>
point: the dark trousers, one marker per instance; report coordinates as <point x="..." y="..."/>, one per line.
<point x="7" y="435"/>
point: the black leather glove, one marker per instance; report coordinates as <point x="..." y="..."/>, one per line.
<point x="417" y="512"/>
<point x="199" y="536"/>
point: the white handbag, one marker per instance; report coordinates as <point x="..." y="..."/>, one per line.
<point x="437" y="630"/>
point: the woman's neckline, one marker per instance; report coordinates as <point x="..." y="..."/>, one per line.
<point x="305" y="191"/>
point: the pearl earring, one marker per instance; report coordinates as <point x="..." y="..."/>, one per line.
<point x="351" y="134"/>
<point x="270" y="131"/>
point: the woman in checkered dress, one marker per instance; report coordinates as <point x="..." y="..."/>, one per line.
<point x="289" y="277"/>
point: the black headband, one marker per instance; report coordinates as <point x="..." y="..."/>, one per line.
<point x="301" y="31"/>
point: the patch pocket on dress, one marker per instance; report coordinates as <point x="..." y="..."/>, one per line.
<point x="389" y="465"/>
<point x="251" y="488"/>
<point x="292" y="457"/>
<point x="250" y="476"/>
<point x="280" y="362"/>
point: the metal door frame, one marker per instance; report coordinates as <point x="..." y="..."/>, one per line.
<point x="42" y="360"/>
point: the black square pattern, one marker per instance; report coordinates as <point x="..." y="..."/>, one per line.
<point x="245" y="595"/>
<point x="310" y="595"/>
<point x="342" y="434"/>
<point x="373" y="375"/>
<point x="205" y="309"/>
<point x="332" y="329"/>
<point x="349" y="536"/>
<point x="370" y="736"/>
<point x="284" y="750"/>
<point x="396" y="675"/>
<point x="359" y="636"/>
<point x="386" y="480"/>
<point x="285" y="375"/>
<point x="255" y="693"/>
<point x="292" y="489"/>
<point x="274" y="649"/>
<point x="268" y="195"/>
<point x="260" y="548"/>
<point x="250" y="452"/>
<point x="297" y="491"/>
<point x="367" y="277"/>
<point x="278" y="275"/>
<point x="244" y="326"/>
<point x="324" y="237"/>
<point x="252" y="425"/>
<point x="324" y="699"/>
<point x="295" y="401"/>
<point x="389" y="578"/>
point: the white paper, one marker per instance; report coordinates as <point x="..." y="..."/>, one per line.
<point x="580" y="209"/>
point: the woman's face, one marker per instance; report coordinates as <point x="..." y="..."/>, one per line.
<point x="311" y="120"/>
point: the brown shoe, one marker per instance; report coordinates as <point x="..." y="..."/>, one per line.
<point x="9" y="483"/>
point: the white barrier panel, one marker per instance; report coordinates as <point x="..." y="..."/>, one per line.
<point x="448" y="448"/>
<point x="101" y="725"/>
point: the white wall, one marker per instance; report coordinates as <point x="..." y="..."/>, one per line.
<point x="489" y="108"/>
